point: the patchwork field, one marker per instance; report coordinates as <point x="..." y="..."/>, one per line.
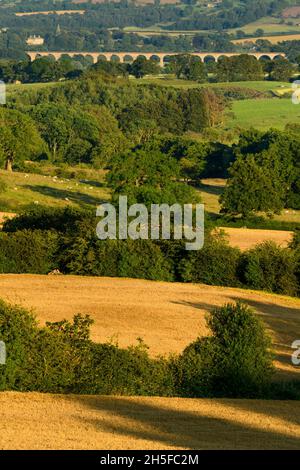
<point x="168" y="316"/>
<point x="270" y="25"/>
<point x="40" y="421"/>
<point x="274" y="39"/>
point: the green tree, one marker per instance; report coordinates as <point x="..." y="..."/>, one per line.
<point x="146" y="175"/>
<point x="252" y="187"/>
<point x="141" y="67"/>
<point x="19" y="138"/>
<point x="281" y="70"/>
<point x="234" y="361"/>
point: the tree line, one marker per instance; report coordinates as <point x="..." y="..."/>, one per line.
<point x="185" y="66"/>
<point x="40" y="240"/>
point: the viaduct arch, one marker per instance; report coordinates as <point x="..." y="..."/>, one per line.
<point x="160" y="57"/>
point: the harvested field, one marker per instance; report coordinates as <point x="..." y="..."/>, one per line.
<point x="273" y="39"/>
<point x="168" y="316"/>
<point x="41" y="421"/>
<point x="5" y="215"/>
<point x="245" y="238"/>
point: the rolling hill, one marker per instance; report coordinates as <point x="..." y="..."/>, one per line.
<point x="167" y="316"/>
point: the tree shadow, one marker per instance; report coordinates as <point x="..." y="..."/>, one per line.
<point x="206" y="424"/>
<point x="95" y="184"/>
<point x="282" y="321"/>
<point x="211" y="189"/>
<point x="63" y="194"/>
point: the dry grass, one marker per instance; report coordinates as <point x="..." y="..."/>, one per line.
<point x="6" y="215"/>
<point x="273" y="39"/>
<point x="245" y="238"/>
<point x="40" y="421"/>
<point x="168" y="316"/>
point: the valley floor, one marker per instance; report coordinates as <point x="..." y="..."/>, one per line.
<point x="41" y="421"/>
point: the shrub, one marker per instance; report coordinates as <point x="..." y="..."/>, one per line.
<point x="84" y="254"/>
<point x="44" y="218"/>
<point x="215" y="264"/>
<point x="28" y="251"/>
<point x="61" y="355"/>
<point x="269" y="267"/>
<point x="116" y="371"/>
<point x="18" y="330"/>
<point x="3" y="186"/>
<point x="234" y="362"/>
<point x="61" y="358"/>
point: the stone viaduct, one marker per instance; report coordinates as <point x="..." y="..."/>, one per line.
<point x="160" y="57"/>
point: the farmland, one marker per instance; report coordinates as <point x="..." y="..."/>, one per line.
<point x="23" y="189"/>
<point x="40" y="421"/>
<point x="274" y="39"/>
<point x="166" y="316"/>
<point x="270" y="25"/>
<point x="263" y="114"/>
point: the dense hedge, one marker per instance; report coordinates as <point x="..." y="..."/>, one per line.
<point x="28" y="251"/>
<point x="235" y="361"/>
<point x="61" y="358"/>
<point x="65" y="239"/>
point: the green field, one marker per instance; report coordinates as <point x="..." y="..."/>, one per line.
<point x="168" y="80"/>
<point x="270" y="25"/>
<point x="263" y="114"/>
<point x="13" y="89"/>
<point x="23" y="189"/>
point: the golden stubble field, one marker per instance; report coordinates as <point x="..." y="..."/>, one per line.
<point x="40" y="421"/>
<point x="168" y="316"/>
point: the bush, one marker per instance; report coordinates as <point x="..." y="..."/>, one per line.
<point x="234" y="362"/>
<point x="18" y="330"/>
<point x="116" y="371"/>
<point x="44" y="218"/>
<point x="84" y="254"/>
<point x="61" y="358"/>
<point x="269" y="267"/>
<point x="28" y="251"/>
<point x="215" y="264"/>
<point x="3" y="186"/>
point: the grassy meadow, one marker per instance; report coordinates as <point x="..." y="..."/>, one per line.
<point x="24" y="189"/>
<point x="270" y="25"/>
<point x="171" y="80"/>
<point x="263" y="114"/>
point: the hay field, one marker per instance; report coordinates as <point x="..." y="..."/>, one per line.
<point x="168" y="316"/>
<point x="273" y="39"/>
<point x="245" y="238"/>
<point x="41" y="421"/>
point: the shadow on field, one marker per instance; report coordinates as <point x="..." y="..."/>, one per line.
<point x="201" y="426"/>
<point x="63" y="194"/>
<point x="211" y="189"/>
<point x="95" y="184"/>
<point x="282" y="321"/>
